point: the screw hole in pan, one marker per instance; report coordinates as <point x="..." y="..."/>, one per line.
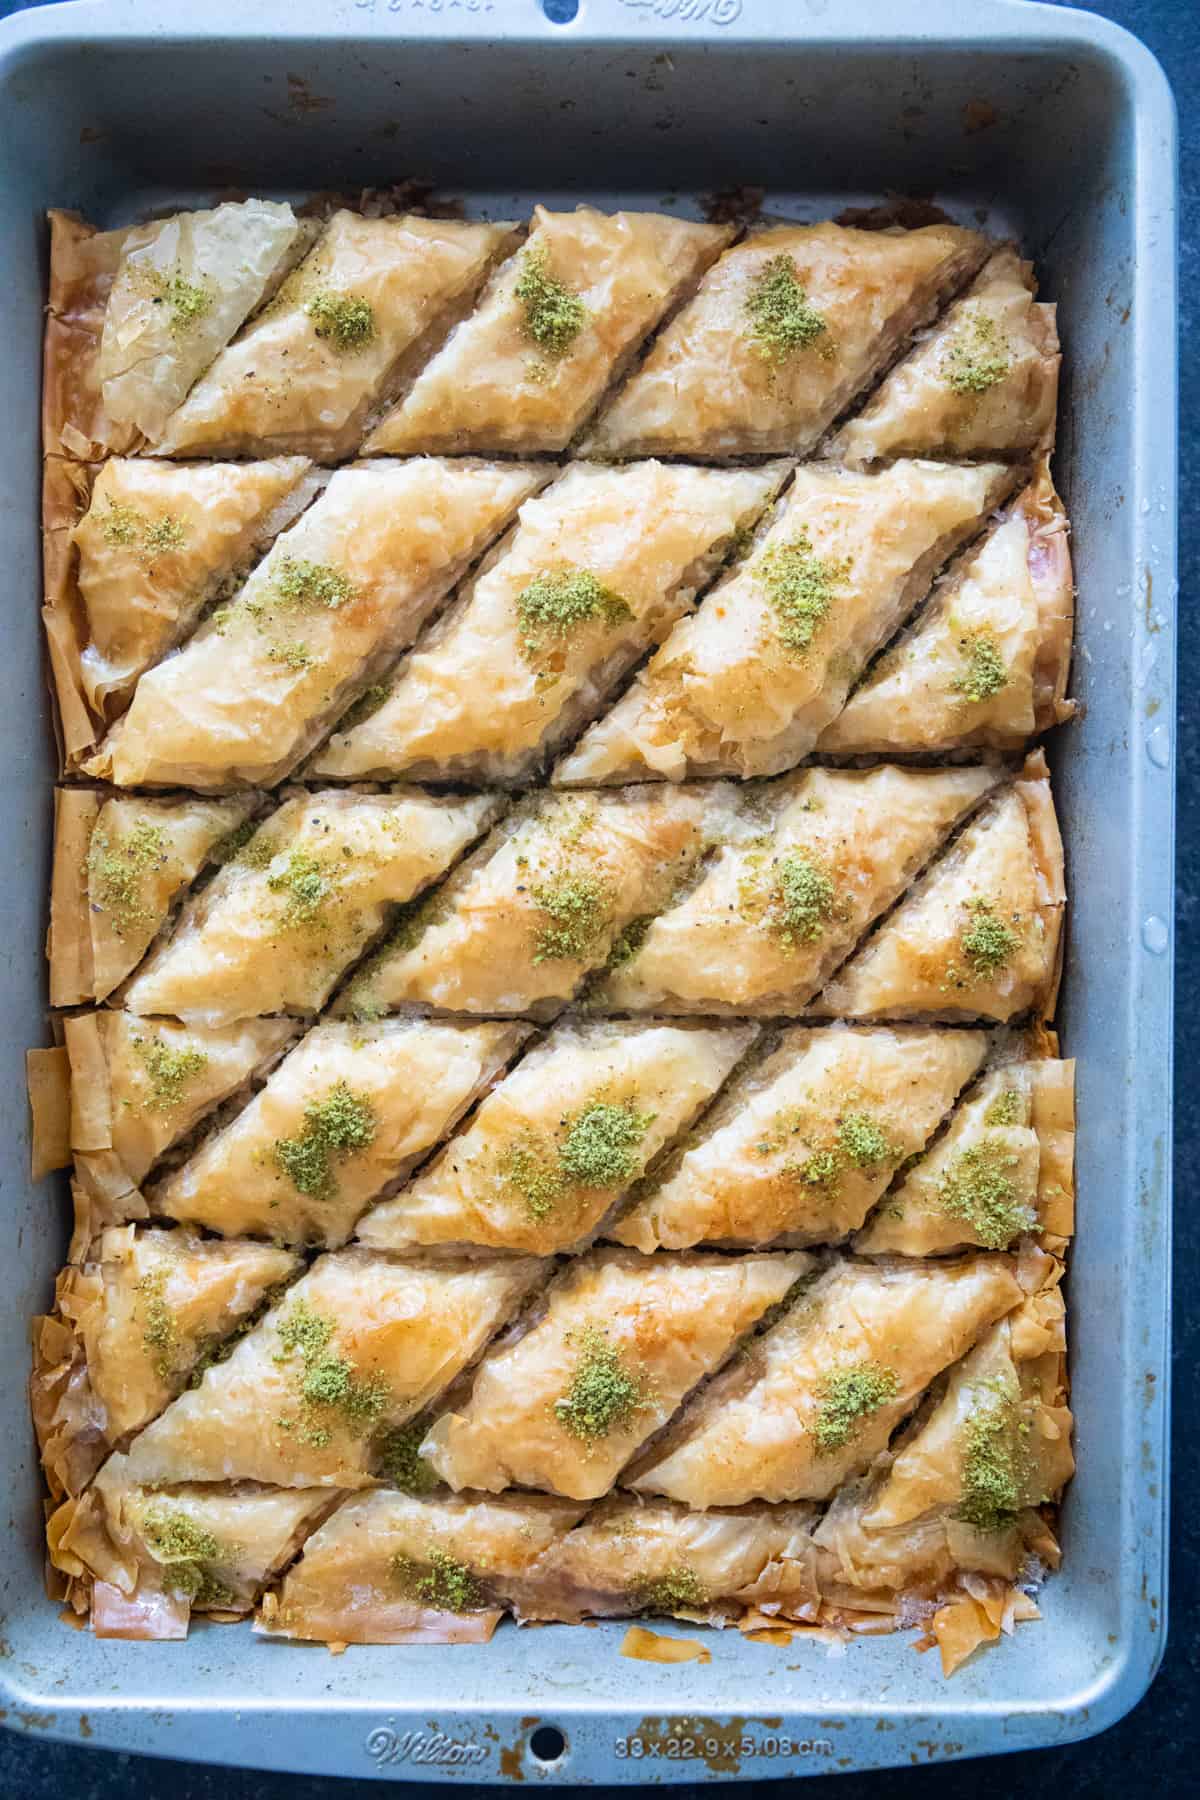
<point x="560" y="12"/>
<point x="547" y="1744"/>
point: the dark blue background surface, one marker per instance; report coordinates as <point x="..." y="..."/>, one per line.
<point x="1159" y="1744"/>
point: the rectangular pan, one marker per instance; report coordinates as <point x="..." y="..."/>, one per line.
<point x="1049" y="124"/>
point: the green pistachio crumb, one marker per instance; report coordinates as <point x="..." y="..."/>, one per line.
<point x="307" y="884"/>
<point x="994" y="1474"/>
<point x="984" y="674"/>
<point x="556" y="605"/>
<point x="161" y="1335"/>
<point x="604" y="1393"/>
<point x="821" y="1170"/>
<point x="440" y="1581"/>
<point x="335" y="1127"/>
<point x="1008" y="1108"/>
<point x="302" y="583"/>
<point x="848" y="1396"/>
<point x="538" y="1182"/>
<point x="554" y="316"/>
<point x="987" y="942"/>
<point x="863" y="1142"/>
<point x="600" y="1148"/>
<point x="232" y="843"/>
<point x="781" y="319"/>
<point x="188" y="300"/>
<point x="677" y="1589"/>
<point x="296" y="657"/>
<point x="347" y="321"/>
<point x="117" y="868"/>
<point x="162" y="535"/>
<point x="979" y="1191"/>
<point x="128" y="529"/>
<point x="304" y="1330"/>
<point x="977" y="356"/>
<point x="804" y="898"/>
<point x="801" y="587"/>
<point x="628" y="942"/>
<point x="327" y="1382"/>
<point x="578" y="911"/>
<point x="168" y="1071"/>
<point x="368" y="702"/>
<point x="400" y="1460"/>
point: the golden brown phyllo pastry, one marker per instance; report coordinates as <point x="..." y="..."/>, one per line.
<point x="630" y="1173"/>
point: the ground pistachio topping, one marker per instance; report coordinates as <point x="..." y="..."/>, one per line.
<point x="578" y="909"/>
<point x="302" y="583"/>
<point x="347" y="321"/>
<point x="440" y="1581"/>
<point x="984" y="673"/>
<point x="555" y="605"/>
<point x="308" y="883"/>
<point x="996" y="1460"/>
<point x="117" y="869"/>
<point x="335" y="1127"/>
<point x="604" y="1393"/>
<point x="161" y="1335"/>
<point x="183" y="1547"/>
<point x="801" y="587"/>
<point x="977" y="355"/>
<point x="598" y="1149"/>
<point x="795" y="895"/>
<point x="553" y="315"/>
<point x="368" y="703"/>
<point x="168" y="1071"/>
<point x="329" y="1386"/>
<point x="978" y="1190"/>
<point x="678" y="1588"/>
<point x="781" y="319"/>
<point x="187" y="300"/>
<point x="1008" y="1108"/>
<point x="128" y="529"/>
<point x="987" y="942"/>
<point x="233" y="843"/>
<point x="858" y="1141"/>
<point x="863" y="1142"/>
<point x="400" y="1460"/>
<point x="848" y="1396"/>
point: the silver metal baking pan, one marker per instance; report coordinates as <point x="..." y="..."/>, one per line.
<point x="1049" y="124"/>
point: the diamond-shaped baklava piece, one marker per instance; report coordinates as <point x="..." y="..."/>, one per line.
<point x="983" y="383"/>
<point x="619" y="1343"/>
<point x="803" y="1143"/>
<point x="301" y="900"/>
<point x="553" y="329"/>
<point x="343" y="1118"/>
<point x="331" y="606"/>
<point x="817" y="1396"/>
<point x="346" y="330"/>
<point x="747" y="684"/>
<point x="771" y="918"/>
<point x="784" y="331"/>
<point x="597" y="571"/>
<point x="979" y="937"/>
<point x="552" y="1149"/>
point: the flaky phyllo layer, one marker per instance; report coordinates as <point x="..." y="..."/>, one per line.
<point x="556" y="920"/>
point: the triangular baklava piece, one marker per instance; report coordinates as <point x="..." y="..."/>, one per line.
<point x="979" y="936"/>
<point x="617" y="1345"/>
<point x="983" y="383"/>
<point x="771" y="918"/>
<point x="747" y="684"/>
<point x="142" y="1561"/>
<point x="597" y="571"/>
<point x="347" y="1114"/>
<point x="651" y="1556"/>
<point x="139" y="1086"/>
<point x="803" y="1143"/>
<point x="333" y="604"/>
<point x="955" y="1516"/>
<point x="519" y="926"/>
<point x="183" y="287"/>
<point x="127" y="1333"/>
<point x="786" y="329"/>
<point x="347" y="328"/>
<point x="1003" y="1167"/>
<point x="360" y="1343"/>
<point x="818" y="1395"/>
<point x="391" y="1569"/>
<point x="986" y="662"/>
<point x="156" y="545"/>
<point x="301" y="900"/>
<point x="120" y="865"/>
<point x="551" y="1150"/>
<point x="552" y="330"/>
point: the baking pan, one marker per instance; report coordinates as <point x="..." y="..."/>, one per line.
<point x="1052" y="125"/>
